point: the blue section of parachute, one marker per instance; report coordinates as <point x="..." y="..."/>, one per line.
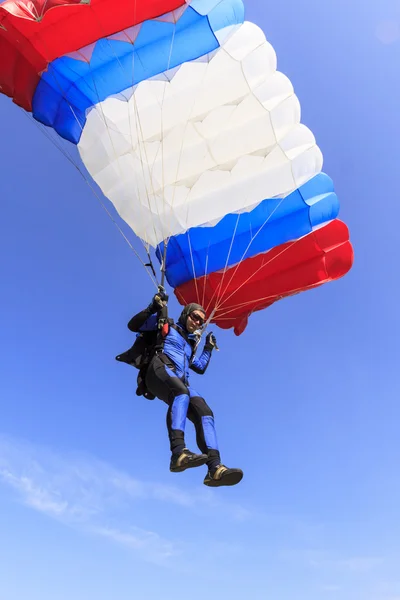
<point x="71" y="86"/>
<point x="220" y="14"/>
<point x="204" y="250"/>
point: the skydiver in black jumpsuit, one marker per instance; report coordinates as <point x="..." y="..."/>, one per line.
<point x="168" y="378"/>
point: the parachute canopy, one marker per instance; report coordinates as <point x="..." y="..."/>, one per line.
<point x="181" y="117"/>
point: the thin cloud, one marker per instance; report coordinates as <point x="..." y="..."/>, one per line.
<point x="36" y="497"/>
<point x="87" y="493"/>
<point x="82" y="485"/>
<point x="323" y="560"/>
<point x="150" y="545"/>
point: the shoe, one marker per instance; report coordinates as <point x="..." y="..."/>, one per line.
<point x="223" y="476"/>
<point x="186" y="460"/>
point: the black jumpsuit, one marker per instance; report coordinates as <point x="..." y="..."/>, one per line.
<point x="168" y="379"/>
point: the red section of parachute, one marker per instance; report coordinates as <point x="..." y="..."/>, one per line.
<point x="321" y="256"/>
<point x="35" y="32"/>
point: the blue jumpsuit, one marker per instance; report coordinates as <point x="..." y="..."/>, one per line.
<point x="168" y="378"/>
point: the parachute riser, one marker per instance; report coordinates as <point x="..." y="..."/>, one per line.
<point x="164" y="263"/>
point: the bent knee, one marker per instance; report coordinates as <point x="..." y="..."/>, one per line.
<point x="201" y="407"/>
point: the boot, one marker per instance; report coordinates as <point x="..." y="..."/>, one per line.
<point x="186" y="460"/>
<point x="223" y="476"/>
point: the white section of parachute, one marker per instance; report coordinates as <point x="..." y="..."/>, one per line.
<point x="214" y="136"/>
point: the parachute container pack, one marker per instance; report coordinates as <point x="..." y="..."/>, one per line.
<point x="181" y="117"/>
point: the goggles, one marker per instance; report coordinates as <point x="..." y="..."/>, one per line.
<point x="197" y="318"/>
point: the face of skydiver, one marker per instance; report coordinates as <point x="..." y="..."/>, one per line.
<point x="197" y="316"/>
<point x="195" y="320"/>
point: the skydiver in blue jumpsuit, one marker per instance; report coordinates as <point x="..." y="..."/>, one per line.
<point x="167" y="378"/>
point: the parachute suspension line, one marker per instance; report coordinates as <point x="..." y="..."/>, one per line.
<point x="253" y="237"/>
<point x="174" y="193"/>
<point x="150" y="264"/>
<point x="145" y="265"/>
<point x="193" y="269"/>
<point x="164" y="263"/>
<point x="108" y="128"/>
<point x="43" y="10"/>
<point x="163" y="267"/>
<point x="162" y="140"/>
<point x="205" y="274"/>
<point x="142" y="149"/>
<point x="69" y="157"/>
<point x="223" y="316"/>
<point x="259" y="269"/>
<point x="163" y="221"/>
<point x="204" y="329"/>
<point x="181" y="150"/>
<point x="111" y="140"/>
<point x="190" y="245"/>
<point x="55" y="141"/>
<point x="216" y="292"/>
<point x="207" y="323"/>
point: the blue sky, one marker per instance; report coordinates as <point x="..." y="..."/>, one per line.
<point x="306" y="401"/>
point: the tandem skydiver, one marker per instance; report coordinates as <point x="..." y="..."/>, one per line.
<point x="167" y="377"/>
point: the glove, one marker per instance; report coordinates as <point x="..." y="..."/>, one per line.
<point x="159" y="300"/>
<point x="211" y="342"/>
